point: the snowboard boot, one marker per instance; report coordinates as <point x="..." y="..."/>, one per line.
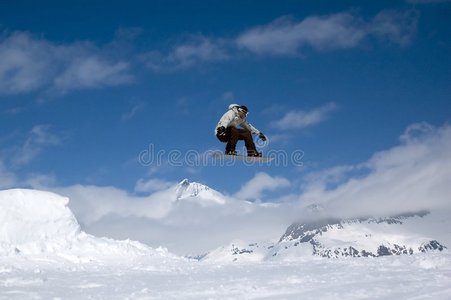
<point x="254" y="153"/>
<point x="231" y="152"/>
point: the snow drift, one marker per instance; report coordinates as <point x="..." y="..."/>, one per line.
<point x="36" y="223"/>
<point x="29" y="218"/>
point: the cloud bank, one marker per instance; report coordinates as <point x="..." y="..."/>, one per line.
<point x="185" y="226"/>
<point x="412" y="176"/>
<point x="409" y="177"/>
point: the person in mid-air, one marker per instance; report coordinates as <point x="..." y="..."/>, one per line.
<point x="227" y="132"/>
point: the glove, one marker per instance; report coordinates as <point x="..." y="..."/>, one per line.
<point x="262" y="137"/>
<point x="221" y="131"/>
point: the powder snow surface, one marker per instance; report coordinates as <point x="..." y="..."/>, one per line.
<point x="420" y="276"/>
<point x="45" y="255"/>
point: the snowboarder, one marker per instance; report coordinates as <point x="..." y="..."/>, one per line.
<point x="227" y="132"/>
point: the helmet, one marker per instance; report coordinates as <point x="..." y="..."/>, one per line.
<point x="243" y="108"/>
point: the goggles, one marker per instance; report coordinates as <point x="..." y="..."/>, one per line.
<point x="243" y="110"/>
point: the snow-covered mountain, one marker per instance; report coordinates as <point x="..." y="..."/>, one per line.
<point x="199" y="193"/>
<point x="403" y="234"/>
<point x="363" y="237"/>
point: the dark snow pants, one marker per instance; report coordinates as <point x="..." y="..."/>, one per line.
<point x="233" y="135"/>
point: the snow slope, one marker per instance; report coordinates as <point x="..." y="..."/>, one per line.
<point x="420" y="276"/>
<point x="39" y="224"/>
<point x="45" y="255"/>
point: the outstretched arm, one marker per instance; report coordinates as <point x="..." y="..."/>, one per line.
<point x="249" y="127"/>
<point x="254" y="130"/>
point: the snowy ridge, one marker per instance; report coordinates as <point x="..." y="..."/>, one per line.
<point x="197" y="192"/>
<point x="36" y="223"/>
<point x="404" y="234"/>
<point x="363" y="237"/>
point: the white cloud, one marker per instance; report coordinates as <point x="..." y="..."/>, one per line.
<point x="200" y="49"/>
<point x="410" y="177"/>
<point x="152" y="185"/>
<point x="92" y="203"/>
<point x="331" y="177"/>
<point x="260" y="183"/>
<point x="30" y="64"/>
<point x="92" y="72"/>
<point x="38" y="138"/>
<point x="299" y="119"/>
<point x="197" y="50"/>
<point x="25" y="63"/>
<point x="396" y="26"/>
<point x="285" y="36"/>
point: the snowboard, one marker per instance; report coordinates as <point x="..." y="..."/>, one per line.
<point x="257" y="159"/>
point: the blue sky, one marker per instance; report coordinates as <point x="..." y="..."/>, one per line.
<point x="85" y="87"/>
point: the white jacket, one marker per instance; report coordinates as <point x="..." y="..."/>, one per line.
<point x="232" y="118"/>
